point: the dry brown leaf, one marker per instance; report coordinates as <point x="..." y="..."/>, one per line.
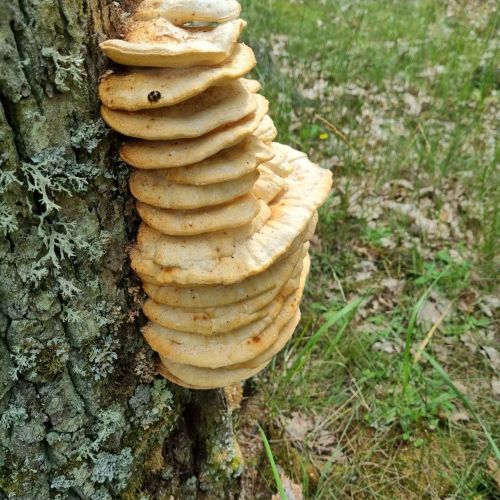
<point x="469" y="341"/>
<point x="385" y="346"/>
<point x="298" y="426"/>
<point x="324" y="443"/>
<point x="432" y="310"/>
<point x="428" y="314"/>
<point x="489" y="304"/>
<point x="293" y="491"/>
<point x="413" y="106"/>
<point x="393" y="285"/>
<point x="492" y="355"/>
<point x="459" y="416"/>
<point x="365" y="268"/>
<point x="421" y="224"/>
<point x="442" y="352"/>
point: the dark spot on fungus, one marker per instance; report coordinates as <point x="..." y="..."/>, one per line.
<point x="154" y="96"/>
<point x="198" y="317"/>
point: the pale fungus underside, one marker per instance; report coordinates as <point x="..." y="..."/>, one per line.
<point x="227" y="213"/>
<point x="180" y="12"/>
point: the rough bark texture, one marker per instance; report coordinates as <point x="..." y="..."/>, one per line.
<point x="82" y="414"/>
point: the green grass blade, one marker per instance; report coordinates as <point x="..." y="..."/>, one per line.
<point x="410" y="332"/>
<point x="336" y="339"/>
<point x="461" y="396"/>
<point x="331" y="319"/>
<point x="325" y="473"/>
<point x="269" y="453"/>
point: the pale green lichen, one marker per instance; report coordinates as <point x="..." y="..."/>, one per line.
<point x="63" y="433"/>
<point x="7" y="178"/>
<point x="31" y="273"/>
<point x="151" y="403"/>
<point x="24" y="357"/>
<point x="61" y="239"/>
<point x="60" y="348"/>
<point x="67" y="68"/>
<point x="70" y="315"/>
<point x="226" y="456"/>
<point x="8" y="219"/>
<point x="113" y="468"/>
<point x="108" y="423"/>
<point x="67" y="290"/>
<point x="50" y="173"/>
<point x="61" y="483"/>
<point x="224" y="462"/>
<point x="99" y="313"/>
<point x="96" y="245"/>
<point x="88" y="136"/>
<point x="14" y="414"/>
<point x="103" y="357"/>
<point x="33" y="355"/>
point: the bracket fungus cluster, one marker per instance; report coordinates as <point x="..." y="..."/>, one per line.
<point x="227" y="213"/>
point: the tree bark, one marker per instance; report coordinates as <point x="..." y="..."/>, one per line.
<point x="82" y="412"/>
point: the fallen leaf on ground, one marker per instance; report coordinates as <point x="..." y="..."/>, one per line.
<point x="324" y="443"/>
<point x="393" y="285"/>
<point x="459" y="416"/>
<point x="423" y="224"/>
<point x="442" y="352"/>
<point x="492" y="301"/>
<point x="492" y="356"/>
<point x="293" y="491"/>
<point x="468" y="341"/>
<point x="431" y="311"/>
<point x="385" y="346"/>
<point x="475" y="339"/>
<point x="489" y="304"/>
<point x="428" y="314"/>
<point x="412" y="106"/>
<point x="298" y="426"/>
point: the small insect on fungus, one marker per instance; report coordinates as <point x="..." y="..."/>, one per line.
<point x="154" y="96"/>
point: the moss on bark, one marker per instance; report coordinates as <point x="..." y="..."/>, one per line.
<point x="82" y="414"/>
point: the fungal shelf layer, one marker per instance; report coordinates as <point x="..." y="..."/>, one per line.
<point x="227" y="213"/>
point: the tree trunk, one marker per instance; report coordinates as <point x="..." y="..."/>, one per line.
<point x="82" y="412"/>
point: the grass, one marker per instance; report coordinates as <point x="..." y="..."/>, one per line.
<point x="272" y="463"/>
<point x="400" y="99"/>
<point x="406" y="361"/>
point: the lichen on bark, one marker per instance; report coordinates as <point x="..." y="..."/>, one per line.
<point x="82" y="413"/>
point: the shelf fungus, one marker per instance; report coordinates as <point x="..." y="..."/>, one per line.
<point x="227" y="213"/>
